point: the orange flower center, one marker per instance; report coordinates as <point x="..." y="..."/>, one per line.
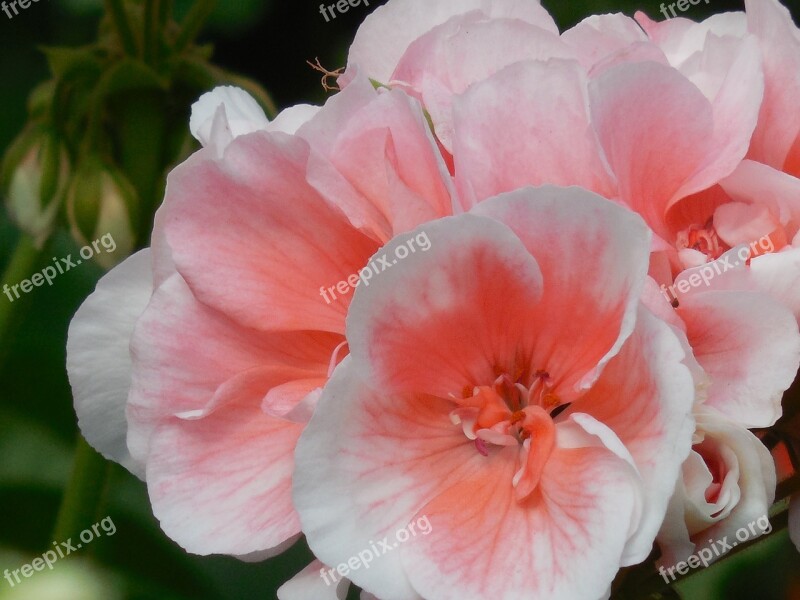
<point x="507" y="413"/>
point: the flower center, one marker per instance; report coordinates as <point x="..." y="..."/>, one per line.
<point x="509" y="413"/>
<point x="702" y="239"/>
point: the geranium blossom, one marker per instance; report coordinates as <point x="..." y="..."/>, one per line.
<point x="509" y="386"/>
<point x="523" y="383"/>
<point x="228" y="357"/>
<point x="727" y="482"/>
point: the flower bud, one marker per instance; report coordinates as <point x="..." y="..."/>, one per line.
<point x="34" y="179"/>
<point x="101" y="202"/>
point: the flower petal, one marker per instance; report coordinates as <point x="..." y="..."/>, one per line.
<point x="656" y="128"/>
<point x="750" y="347"/>
<point x="591" y="253"/>
<point x="779" y="121"/>
<point x="645" y="396"/>
<point x="506" y="137"/>
<point x="223" y="114"/>
<point x="256" y="242"/>
<point x="482" y="539"/>
<point x="309" y="585"/>
<point x="463" y="51"/>
<point x="374" y="156"/>
<point x="185" y="352"/>
<point x="342" y="455"/>
<point x="390" y="29"/>
<point x="222" y="484"/>
<point x="99" y="360"/>
<point x="458" y="300"/>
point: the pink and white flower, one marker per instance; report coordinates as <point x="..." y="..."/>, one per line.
<point x="230" y="341"/>
<point x="509" y="386"/>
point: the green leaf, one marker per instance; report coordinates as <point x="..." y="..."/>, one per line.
<point x="65" y="62"/>
<point x="126" y="76"/>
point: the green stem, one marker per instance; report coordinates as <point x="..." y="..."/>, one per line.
<point x="119" y="17"/>
<point x="152" y="13"/>
<point x="165" y="13"/>
<point x="22" y="262"/>
<point x="193" y="23"/>
<point x="84" y="494"/>
<point x="141" y="129"/>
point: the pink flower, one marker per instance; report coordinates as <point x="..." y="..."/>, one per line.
<point x="727" y="483"/>
<point x="760" y="200"/>
<point x="198" y="363"/>
<point x="509" y="386"/>
<point x="658" y="116"/>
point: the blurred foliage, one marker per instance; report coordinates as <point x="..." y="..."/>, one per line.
<point x="269" y="41"/>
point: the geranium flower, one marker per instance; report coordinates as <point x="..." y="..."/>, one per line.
<point x="659" y="116"/>
<point x="760" y="200"/>
<point x="230" y="339"/>
<point x="509" y="386"/>
<point x="728" y="482"/>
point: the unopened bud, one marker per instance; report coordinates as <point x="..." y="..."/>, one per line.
<point x="102" y="202"/>
<point x="34" y="179"/>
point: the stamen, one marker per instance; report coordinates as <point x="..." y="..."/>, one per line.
<point x="335" y="357"/>
<point x="480" y="445"/>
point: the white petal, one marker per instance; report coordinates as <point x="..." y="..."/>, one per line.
<point x="290" y="119"/>
<point x="241" y="114"/>
<point x="98" y="356"/>
<point x="309" y="584"/>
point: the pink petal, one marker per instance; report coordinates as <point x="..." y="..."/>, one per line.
<point x="757" y="183"/>
<point x="465" y="50"/>
<point x="457" y="301"/>
<point x="750" y="347"/>
<point x="506" y="136"/>
<point x="656" y="128"/>
<point x="645" y="396"/>
<point x="483" y="542"/>
<point x="740" y="223"/>
<point x="389" y="30"/>
<point x="779" y="121"/>
<point x="728" y="72"/>
<point x="599" y="37"/>
<point x="343" y="455"/>
<point x="382" y="166"/>
<point x="256" y="242"/>
<point x="222" y="484"/>
<point x="682" y="38"/>
<point x="591" y="253"/>
<point x="387" y="462"/>
<point x="184" y="352"/>
<point x="779" y="276"/>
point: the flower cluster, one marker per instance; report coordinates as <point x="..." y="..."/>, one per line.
<point x="523" y="384"/>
